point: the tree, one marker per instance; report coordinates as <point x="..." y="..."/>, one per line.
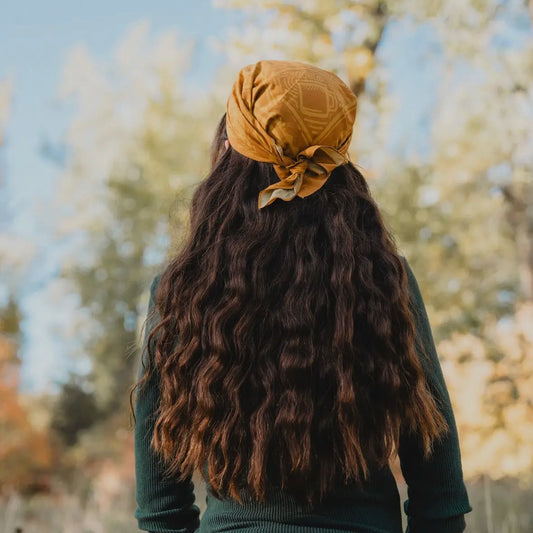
<point x="74" y="411"/>
<point x="148" y="145"/>
<point x="25" y="453"/>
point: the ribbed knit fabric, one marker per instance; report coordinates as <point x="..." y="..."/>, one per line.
<point x="437" y="497"/>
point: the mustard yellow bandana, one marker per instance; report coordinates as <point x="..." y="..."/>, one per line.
<point x="297" y="117"/>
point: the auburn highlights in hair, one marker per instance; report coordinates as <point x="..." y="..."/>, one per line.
<point x="286" y="344"/>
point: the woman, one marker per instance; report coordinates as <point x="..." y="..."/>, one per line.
<point x="290" y="356"/>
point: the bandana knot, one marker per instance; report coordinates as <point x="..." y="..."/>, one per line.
<point x="303" y="176"/>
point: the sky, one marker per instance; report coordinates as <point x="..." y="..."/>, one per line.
<point x="35" y="38"/>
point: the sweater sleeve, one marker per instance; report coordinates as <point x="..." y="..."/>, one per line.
<point x="163" y="505"/>
<point x="437" y="496"/>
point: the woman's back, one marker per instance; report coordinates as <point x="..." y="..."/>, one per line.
<point x="437" y="495"/>
<point x="289" y="351"/>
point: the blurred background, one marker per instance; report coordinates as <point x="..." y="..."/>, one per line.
<point x="106" y="115"/>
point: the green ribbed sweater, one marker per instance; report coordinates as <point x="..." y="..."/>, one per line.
<point x="437" y="497"/>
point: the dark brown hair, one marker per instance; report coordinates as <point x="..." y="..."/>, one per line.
<point x="285" y="348"/>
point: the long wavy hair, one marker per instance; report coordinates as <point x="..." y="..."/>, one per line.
<point x="285" y="348"/>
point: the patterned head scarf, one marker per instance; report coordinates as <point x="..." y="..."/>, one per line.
<point x="297" y="117"/>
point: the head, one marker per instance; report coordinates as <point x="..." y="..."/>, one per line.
<point x="286" y="347"/>
<point x="297" y="117"/>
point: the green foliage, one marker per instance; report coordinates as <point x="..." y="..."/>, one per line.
<point x="455" y="244"/>
<point x="74" y="411"/>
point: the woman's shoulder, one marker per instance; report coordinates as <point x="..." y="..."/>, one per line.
<point x="414" y="289"/>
